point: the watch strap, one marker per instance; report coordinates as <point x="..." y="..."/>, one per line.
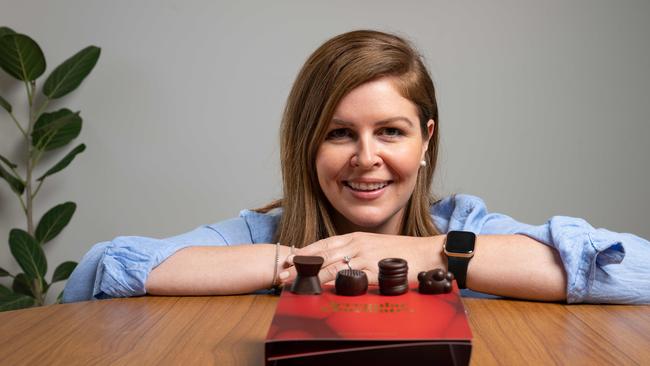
<point x="458" y="266"/>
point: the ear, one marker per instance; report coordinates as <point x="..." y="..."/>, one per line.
<point x="431" y="126"/>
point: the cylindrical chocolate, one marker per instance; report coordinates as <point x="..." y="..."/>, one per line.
<point x="393" y="276"/>
<point x="306" y="282"/>
<point x="392" y="291"/>
<point x="351" y="282"/>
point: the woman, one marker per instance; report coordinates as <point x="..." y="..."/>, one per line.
<point x="359" y="142"/>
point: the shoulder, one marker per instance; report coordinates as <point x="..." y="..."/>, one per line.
<point x="261" y="226"/>
<point x="456" y="203"/>
<point x="458" y="212"/>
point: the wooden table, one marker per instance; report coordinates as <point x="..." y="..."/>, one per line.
<point x="230" y="330"/>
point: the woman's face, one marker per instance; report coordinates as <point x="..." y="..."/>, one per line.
<point x="368" y="164"/>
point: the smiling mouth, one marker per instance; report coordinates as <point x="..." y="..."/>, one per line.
<point x="366" y="187"/>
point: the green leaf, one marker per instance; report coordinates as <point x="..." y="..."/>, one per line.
<point x="15" y="302"/>
<point x="56" y="129"/>
<point x="4" y="272"/>
<point x="21" y="57"/>
<point x="6" y="30"/>
<point x="54" y="221"/>
<point x="4" y="291"/>
<point x="21" y="285"/>
<point x="28" y="253"/>
<point x="64" y="162"/>
<point x="6" y="161"/>
<point x="4" y="104"/>
<point x="67" y="76"/>
<point x="63" y="271"/>
<point x="16" y="184"/>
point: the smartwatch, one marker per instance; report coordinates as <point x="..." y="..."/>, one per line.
<point x="459" y="249"/>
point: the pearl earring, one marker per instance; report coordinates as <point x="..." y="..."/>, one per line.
<point x="423" y="162"/>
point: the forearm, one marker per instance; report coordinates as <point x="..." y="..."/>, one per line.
<point x="204" y="270"/>
<point x="513" y="266"/>
<point x="516" y="266"/>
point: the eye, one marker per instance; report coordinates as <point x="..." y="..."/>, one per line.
<point x="337" y="134"/>
<point x="392" y="132"/>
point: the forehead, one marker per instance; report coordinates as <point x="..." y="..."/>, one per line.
<point x="375" y="100"/>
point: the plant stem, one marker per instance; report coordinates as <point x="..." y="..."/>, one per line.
<point x="40" y="110"/>
<point x="38" y="188"/>
<point x="22" y="203"/>
<point x="28" y="194"/>
<point x="37" y="289"/>
<point x="37" y="285"/>
<point x="28" y="147"/>
<point x="29" y="93"/>
<point x="18" y="125"/>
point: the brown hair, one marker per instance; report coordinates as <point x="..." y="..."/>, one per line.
<point x="333" y="70"/>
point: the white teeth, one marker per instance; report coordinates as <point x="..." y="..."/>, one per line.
<point x="367" y="186"/>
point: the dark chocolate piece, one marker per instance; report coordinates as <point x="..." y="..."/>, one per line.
<point x="393" y="276"/>
<point x="307" y="282"/>
<point x="351" y="282"/>
<point x="436" y="281"/>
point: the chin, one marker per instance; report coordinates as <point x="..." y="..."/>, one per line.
<point x="369" y="221"/>
<point x="367" y="225"/>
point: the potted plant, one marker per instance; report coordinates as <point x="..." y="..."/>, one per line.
<point x="45" y="131"/>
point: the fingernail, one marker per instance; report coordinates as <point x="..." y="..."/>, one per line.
<point x="284" y="275"/>
<point x="290" y="258"/>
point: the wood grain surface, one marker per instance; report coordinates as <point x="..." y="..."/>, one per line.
<point x="230" y="330"/>
<point x="509" y="332"/>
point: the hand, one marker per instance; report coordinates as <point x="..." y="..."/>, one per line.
<point x="366" y="250"/>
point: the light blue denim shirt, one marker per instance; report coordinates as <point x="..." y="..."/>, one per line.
<point x="602" y="266"/>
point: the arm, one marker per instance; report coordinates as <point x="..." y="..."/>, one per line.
<point x="563" y="259"/>
<point x="601" y="266"/>
<point x="120" y="268"/>
<point x="216" y="270"/>
<point x="516" y="266"/>
<point x="506" y="265"/>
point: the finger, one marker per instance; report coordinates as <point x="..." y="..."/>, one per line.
<point x="330" y="272"/>
<point x="324" y="245"/>
<point x="367" y="267"/>
<point x="333" y="262"/>
<point x="336" y="253"/>
<point x="372" y="277"/>
<point x="289" y="261"/>
<point x="288" y="275"/>
<point x="326" y="274"/>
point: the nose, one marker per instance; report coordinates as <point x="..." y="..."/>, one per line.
<point x="366" y="155"/>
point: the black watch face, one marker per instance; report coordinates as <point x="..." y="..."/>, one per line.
<point x="460" y="241"/>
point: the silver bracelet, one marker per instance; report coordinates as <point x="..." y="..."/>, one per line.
<point x="275" y="267"/>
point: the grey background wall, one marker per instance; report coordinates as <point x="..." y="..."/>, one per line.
<point x="543" y="107"/>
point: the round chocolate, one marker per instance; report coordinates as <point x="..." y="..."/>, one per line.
<point x="439" y="274"/>
<point x="435" y="281"/>
<point x="351" y="282"/>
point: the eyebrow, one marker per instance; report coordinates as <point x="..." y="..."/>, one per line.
<point x="380" y="123"/>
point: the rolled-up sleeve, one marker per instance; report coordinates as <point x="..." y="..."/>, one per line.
<point x="601" y="266"/>
<point x="119" y="268"/>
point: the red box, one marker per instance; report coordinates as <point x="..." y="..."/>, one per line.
<point x="408" y="329"/>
